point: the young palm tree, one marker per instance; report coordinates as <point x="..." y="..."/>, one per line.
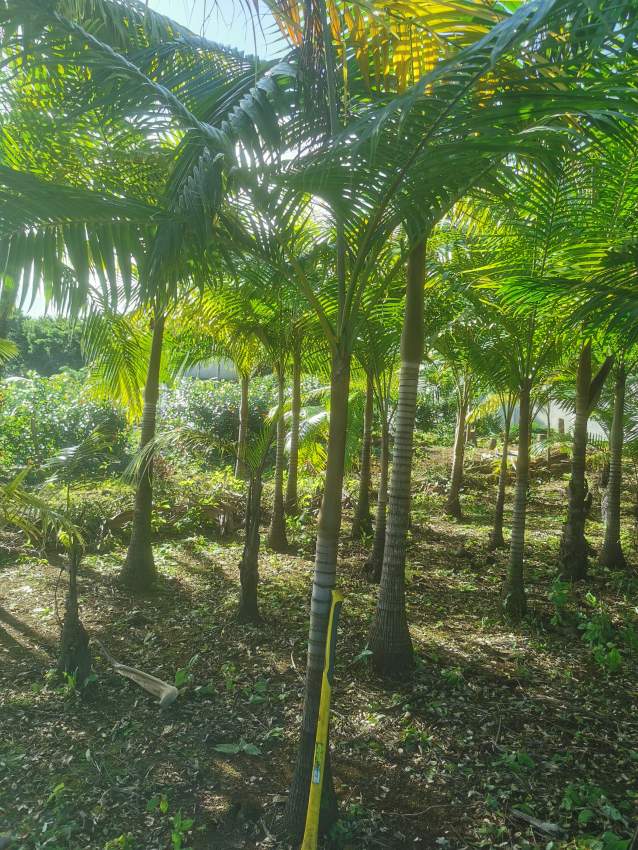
<point x="377" y="349"/>
<point x="546" y="206"/>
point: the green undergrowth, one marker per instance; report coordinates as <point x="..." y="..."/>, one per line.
<point x="497" y="731"/>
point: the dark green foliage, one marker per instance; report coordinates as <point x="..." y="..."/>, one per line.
<point x="40" y="416"/>
<point x="46" y="345"/>
<point x="213" y="406"/>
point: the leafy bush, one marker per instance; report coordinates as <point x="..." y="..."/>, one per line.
<point x="45" y="345"/>
<point x="212" y="406"/>
<point x="39" y="416"/>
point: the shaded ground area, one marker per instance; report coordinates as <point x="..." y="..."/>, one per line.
<point x="494" y="723"/>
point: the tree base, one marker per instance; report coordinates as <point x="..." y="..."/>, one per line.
<point x="496" y="540"/>
<point x="392" y="650"/>
<point x="75" y="653"/>
<point x="277" y="540"/>
<point x="139" y="572"/>
<point x="612" y="557"/>
<point x="453" y="508"/>
<point x="249" y="612"/>
<point x="372" y="569"/>
<point x="573" y="559"/>
<point x="292" y="508"/>
<point x="514" y="604"/>
<point x="362" y="527"/>
<point x="297" y="803"/>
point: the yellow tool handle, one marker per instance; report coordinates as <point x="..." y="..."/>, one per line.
<point x="311" y="833"/>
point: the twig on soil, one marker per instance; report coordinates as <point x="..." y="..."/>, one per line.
<point x="498" y="731"/>
<point x="415" y="814"/>
<point x="540" y="825"/>
<point x="294" y="667"/>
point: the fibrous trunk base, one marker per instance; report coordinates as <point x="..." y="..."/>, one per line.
<point x="75" y="653"/>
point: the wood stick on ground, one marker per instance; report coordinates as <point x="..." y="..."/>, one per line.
<point x="167" y="694"/>
<point x="541" y="826"/>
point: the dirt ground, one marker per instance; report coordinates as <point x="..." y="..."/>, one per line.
<point x="496" y="727"/>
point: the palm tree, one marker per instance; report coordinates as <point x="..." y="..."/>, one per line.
<point x="415" y="169"/>
<point x="545" y="206"/>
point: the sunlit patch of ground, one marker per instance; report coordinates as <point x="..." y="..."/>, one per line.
<point x="495" y="720"/>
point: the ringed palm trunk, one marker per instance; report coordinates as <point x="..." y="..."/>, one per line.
<point x="362" y="523"/>
<point x="249" y="566"/>
<point x="573" y="561"/>
<point x="514" y="601"/>
<point x="277" y="531"/>
<point x="291" y="501"/>
<point x="611" y="554"/>
<point x="323" y="582"/>
<point x="241" y="470"/>
<point x="390" y="641"/>
<point x="375" y="561"/>
<point x="139" y="570"/>
<point x="497" y="541"/>
<point x="453" y="504"/>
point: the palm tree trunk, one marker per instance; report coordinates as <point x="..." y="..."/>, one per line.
<point x="249" y="566"/>
<point x="362" y="523"/>
<point x="277" y="540"/>
<point x="514" y="601"/>
<point x="139" y="570"/>
<point x="453" y="504"/>
<point x="497" y="541"/>
<point x="323" y="582"/>
<point x="75" y="652"/>
<point x="291" y="502"/>
<point x="611" y="554"/>
<point x="390" y="640"/>
<point x="573" y="561"/>
<point x="241" y="470"/>
<point x="375" y="561"/>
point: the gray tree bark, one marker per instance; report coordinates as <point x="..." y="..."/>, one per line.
<point x="139" y="570"/>
<point x="291" y="501"/>
<point x="514" y="598"/>
<point x="573" y="556"/>
<point x="249" y="565"/>
<point x="453" y="503"/>
<point x="75" y="652"/>
<point x="323" y="582"/>
<point x="390" y="641"/>
<point x="375" y="561"/>
<point x="362" y="522"/>
<point x="497" y="541"/>
<point x="611" y="554"/>
<point x="277" y="539"/>
<point x="242" y="437"/>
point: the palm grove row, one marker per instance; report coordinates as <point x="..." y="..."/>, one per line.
<point x="460" y="177"/>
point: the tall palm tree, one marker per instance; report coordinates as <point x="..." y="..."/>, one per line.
<point x="415" y="168"/>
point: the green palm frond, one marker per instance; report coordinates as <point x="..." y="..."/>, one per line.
<point x="117" y="349"/>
